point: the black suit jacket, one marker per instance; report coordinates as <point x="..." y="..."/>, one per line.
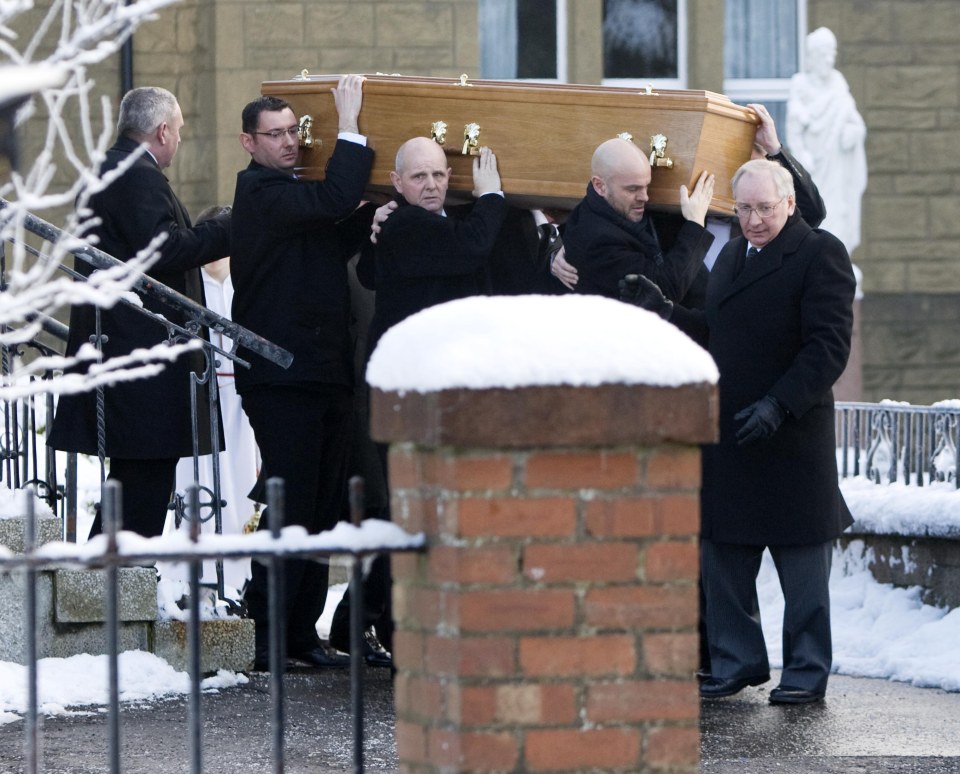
<point x="423" y="259"/>
<point x="779" y="327"/>
<point x="147" y="418"/>
<point x="291" y="243"/>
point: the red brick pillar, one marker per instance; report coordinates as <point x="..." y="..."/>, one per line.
<point x="552" y="623"/>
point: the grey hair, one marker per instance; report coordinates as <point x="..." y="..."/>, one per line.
<point x="143" y="110"/>
<point x="781" y="178"/>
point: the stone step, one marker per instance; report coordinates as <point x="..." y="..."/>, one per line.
<point x="71" y="611"/>
<point x="224" y="644"/>
<point x="55" y="639"/>
<point x="71" y="614"/>
<point x="81" y="595"/>
<point x="49" y="529"/>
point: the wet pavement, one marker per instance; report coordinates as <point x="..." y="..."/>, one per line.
<point x="863" y="727"/>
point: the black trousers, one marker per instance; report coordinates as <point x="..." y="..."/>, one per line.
<point x="147" y="491"/>
<point x="304" y="437"/>
<point x="737" y="646"/>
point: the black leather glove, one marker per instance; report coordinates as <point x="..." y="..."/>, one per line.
<point x="638" y="290"/>
<point x="760" y="420"/>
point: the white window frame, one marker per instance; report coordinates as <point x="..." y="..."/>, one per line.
<point x="680" y="82"/>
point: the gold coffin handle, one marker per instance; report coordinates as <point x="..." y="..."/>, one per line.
<point x="438" y="132"/>
<point x="471" y="140"/>
<point x="307" y="139"/>
<point x="658" y="149"/>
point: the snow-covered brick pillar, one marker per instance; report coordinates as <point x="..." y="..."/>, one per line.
<point x="549" y="449"/>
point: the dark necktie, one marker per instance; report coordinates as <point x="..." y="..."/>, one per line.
<point x="745" y="261"/>
<point x="750" y="257"/>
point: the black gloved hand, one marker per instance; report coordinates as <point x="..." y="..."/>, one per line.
<point x="760" y="420"/>
<point x="638" y="290"/>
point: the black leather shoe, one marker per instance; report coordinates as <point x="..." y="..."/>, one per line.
<point x="718" y="687"/>
<point x="703" y="675"/>
<point x="377" y="658"/>
<point x="784" y="694"/>
<point x="320" y="658"/>
<point x="373" y="652"/>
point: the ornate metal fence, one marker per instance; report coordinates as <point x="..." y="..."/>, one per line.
<point x="19" y="447"/>
<point x="25" y="462"/>
<point x="889" y="441"/>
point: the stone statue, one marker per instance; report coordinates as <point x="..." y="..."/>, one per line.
<point x="826" y="134"/>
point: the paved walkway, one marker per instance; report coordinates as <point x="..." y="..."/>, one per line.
<point x="864" y="727"/>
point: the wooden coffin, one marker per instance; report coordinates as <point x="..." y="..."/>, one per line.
<point x="543" y="134"/>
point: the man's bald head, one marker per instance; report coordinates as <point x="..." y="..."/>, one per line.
<point x="421" y="176"/>
<point x="418" y="148"/>
<point x="616" y="155"/>
<point x="621" y="174"/>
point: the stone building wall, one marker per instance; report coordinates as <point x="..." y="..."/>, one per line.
<point x="903" y="65"/>
<point x="257" y="41"/>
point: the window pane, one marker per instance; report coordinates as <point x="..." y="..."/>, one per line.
<point x="761" y="39"/>
<point x="518" y="39"/>
<point x="640" y="39"/>
<point x="537" y="31"/>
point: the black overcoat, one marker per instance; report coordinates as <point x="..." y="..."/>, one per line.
<point x="423" y="259"/>
<point x="780" y="327"/>
<point x="291" y="243"/>
<point x="147" y="418"/>
<point x="604" y="247"/>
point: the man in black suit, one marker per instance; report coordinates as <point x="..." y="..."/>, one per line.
<point x="147" y="422"/>
<point x="292" y="239"/>
<point x="669" y="227"/>
<point x="778" y="322"/>
<point x="610" y="234"/>
<point x="423" y="257"/>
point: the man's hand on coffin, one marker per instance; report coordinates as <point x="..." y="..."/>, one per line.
<point x="638" y="290"/>
<point x="694" y="205"/>
<point x="348" y="97"/>
<point x="486" y="178"/>
<point x="766" y="136"/>
<point x="379" y="216"/>
<point x="563" y="271"/>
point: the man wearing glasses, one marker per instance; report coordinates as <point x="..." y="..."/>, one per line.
<point x="778" y="322"/>
<point x="291" y="239"/>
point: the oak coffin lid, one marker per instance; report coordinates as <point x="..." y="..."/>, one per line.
<point x="543" y="134"/>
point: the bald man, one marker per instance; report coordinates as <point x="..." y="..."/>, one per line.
<point x="610" y="233"/>
<point x="422" y="257"/>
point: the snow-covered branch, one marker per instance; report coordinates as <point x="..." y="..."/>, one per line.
<point x="45" y="72"/>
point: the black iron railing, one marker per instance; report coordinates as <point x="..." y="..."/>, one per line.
<point x="28" y="461"/>
<point x="887" y="442"/>
<point x="270" y="548"/>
